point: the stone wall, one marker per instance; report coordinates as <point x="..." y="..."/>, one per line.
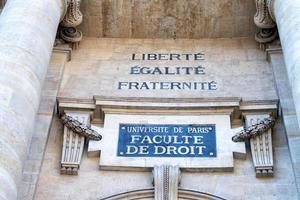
<point x="168" y="18"/>
<point x="92" y="183"/>
<point x="236" y="65"/>
<point x="99" y="64"/>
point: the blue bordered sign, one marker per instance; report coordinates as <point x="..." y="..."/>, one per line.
<point x="167" y="140"/>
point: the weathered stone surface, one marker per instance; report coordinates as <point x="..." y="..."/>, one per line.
<point x="63" y="186"/>
<point x="234" y="64"/>
<point x="98" y="62"/>
<point x="52" y="184"/>
<point x="168" y="19"/>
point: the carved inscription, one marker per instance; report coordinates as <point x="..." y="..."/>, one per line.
<point x="146" y="68"/>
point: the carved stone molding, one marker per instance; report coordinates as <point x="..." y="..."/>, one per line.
<point x="166" y="182"/>
<point x="73" y="145"/>
<point x="148" y="194"/>
<point x="109" y="112"/>
<point x="80" y="128"/>
<point x="270" y="5"/>
<point x="261" y="146"/>
<point x="72" y="18"/>
<point x="254" y="130"/>
<point x="265" y="21"/>
<point x="266" y="35"/>
<point x="263" y="18"/>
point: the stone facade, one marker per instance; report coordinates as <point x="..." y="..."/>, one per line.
<point x="97" y="60"/>
<point x="168" y="19"/>
<point x="232" y="63"/>
<point x="149" y="99"/>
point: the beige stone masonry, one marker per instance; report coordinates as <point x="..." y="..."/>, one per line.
<point x="114" y="111"/>
<point x="27" y="32"/>
<point x="261" y="148"/>
<point x="73" y="145"/>
<point x="168" y="19"/>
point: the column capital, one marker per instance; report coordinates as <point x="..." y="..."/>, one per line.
<point x="71" y="18"/>
<point x="264" y="19"/>
<point x="271" y="9"/>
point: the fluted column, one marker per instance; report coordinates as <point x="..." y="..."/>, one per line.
<point x="287" y="16"/>
<point x="27" y="33"/>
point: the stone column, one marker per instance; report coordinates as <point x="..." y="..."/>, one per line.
<point x="287" y="16"/>
<point x="27" y="33"/>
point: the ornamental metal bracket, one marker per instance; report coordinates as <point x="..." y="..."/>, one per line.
<point x="76" y="131"/>
<point x="166" y="180"/>
<point x="67" y="31"/>
<point x="259" y="131"/>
